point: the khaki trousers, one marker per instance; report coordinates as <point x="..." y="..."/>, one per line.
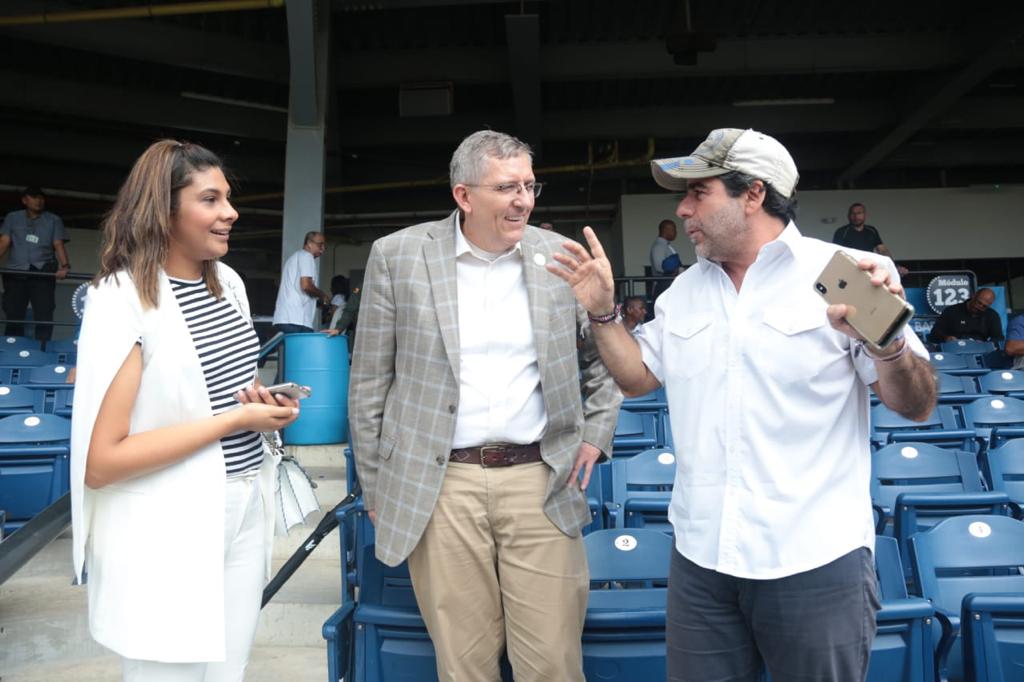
<point x="492" y="572"/>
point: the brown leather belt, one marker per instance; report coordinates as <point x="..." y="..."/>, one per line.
<point x="497" y="454"/>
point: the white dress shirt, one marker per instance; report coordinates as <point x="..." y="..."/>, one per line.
<point x="500" y="399"/>
<point x="769" y="414"/>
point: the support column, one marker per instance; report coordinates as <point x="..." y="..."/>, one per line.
<point x="308" y="42"/>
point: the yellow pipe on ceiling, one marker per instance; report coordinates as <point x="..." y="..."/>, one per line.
<point x="139" y="12"/>
<point x="433" y="182"/>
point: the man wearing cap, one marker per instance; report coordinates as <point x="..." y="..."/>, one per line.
<point x="767" y="388"/>
<point x="35" y="238"/>
<point x="471" y="423"/>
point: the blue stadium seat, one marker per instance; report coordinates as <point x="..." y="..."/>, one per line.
<point x="656" y="399"/>
<point x="1004" y="381"/>
<point x="26" y="358"/>
<point x="945" y="362"/>
<point x="63" y="401"/>
<point x="634" y="433"/>
<point x="957" y="363"/>
<point x="993" y="633"/>
<point x="952" y="389"/>
<point x="902" y="649"/>
<point x="958" y="390"/>
<point x="960" y="556"/>
<point x="66" y="350"/>
<point x="598" y="492"/>
<point x="1004" y="469"/>
<point x="967" y="346"/>
<point x="34" y="464"/>
<point x="377" y="635"/>
<point x="641" y="490"/>
<point x="16" y="343"/>
<point x="15" y="364"/>
<point x="995" y="418"/>
<point x="381" y="636"/>
<point x="919" y="468"/>
<point x="944" y="426"/>
<point x="655" y="404"/>
<point x="53" y="376"/>
<point x="917" y="485"/>
<point x="624" y="631"/>
<point x="19" y="400"/>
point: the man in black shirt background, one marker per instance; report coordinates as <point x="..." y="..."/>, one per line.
<point x="972" y="319"/>
<point x="856" y="235"/>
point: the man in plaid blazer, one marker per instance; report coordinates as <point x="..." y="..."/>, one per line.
<point x="468" y="424"/>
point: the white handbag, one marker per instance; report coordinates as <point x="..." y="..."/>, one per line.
<point x="294" y="496"/>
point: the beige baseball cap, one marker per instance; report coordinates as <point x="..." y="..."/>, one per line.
<point x="726" y="150"/>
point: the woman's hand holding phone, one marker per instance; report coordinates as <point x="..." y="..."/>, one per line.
<point x="262" y="410"/>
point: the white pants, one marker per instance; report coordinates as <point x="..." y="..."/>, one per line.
<point x="243" y="592"/>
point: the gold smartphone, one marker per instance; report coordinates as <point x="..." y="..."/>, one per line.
<point x="879" y="314"/>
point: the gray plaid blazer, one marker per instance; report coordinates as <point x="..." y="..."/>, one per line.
<point x="404" y="385"/>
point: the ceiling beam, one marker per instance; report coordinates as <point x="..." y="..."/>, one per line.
<point x="163" y="43"/>
<point x="157" y="42"/>
<point x="996" y="53"/>
<point x="117" y="151"/>
<point x="163" y="113"/>
<point x="621" y="123"/>
<point x="650" y="59"/>
<point x="24" y="92"/>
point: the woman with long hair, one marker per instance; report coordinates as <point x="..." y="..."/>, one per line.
<point x="172" y="489"/>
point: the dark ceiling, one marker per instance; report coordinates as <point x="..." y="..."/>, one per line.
<point x="872" y="93"/>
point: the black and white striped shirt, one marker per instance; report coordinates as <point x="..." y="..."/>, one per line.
<point x="227" y="347"/>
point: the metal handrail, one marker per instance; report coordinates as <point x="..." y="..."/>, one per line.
<point x="270" y="346"/>
<point x="627" y="286"/>
<point x="85" y="276"/>
<point x="18" y="549"/>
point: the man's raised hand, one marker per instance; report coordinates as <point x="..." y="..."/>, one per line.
<point x="589" y="274"/>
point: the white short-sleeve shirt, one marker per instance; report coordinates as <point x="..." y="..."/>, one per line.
<point x="769" y="414"/>
<point x="294" y="306"/>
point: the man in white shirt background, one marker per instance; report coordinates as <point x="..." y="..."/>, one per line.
<point x="299" y="291"/>
<point x="768" y="395"/>
<point x="661" y="251"/>
<point x="662" y="248"/>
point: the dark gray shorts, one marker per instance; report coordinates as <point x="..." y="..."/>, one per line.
<point x="815" y="626"/>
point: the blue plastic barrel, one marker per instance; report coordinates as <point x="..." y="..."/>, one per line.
<point x="320" y="362"/>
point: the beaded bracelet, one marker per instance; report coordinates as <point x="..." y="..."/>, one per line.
<point x="889" y="358"/>
<point x="602" y="319"/>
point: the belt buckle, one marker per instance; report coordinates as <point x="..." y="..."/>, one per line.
<point x="483" y="455"/>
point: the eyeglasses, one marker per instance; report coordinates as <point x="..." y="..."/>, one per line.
<point x="509" y="188"/>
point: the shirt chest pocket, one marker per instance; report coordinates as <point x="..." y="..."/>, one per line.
<point x="791" y="342"/>
<point x="689" y="346"/>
